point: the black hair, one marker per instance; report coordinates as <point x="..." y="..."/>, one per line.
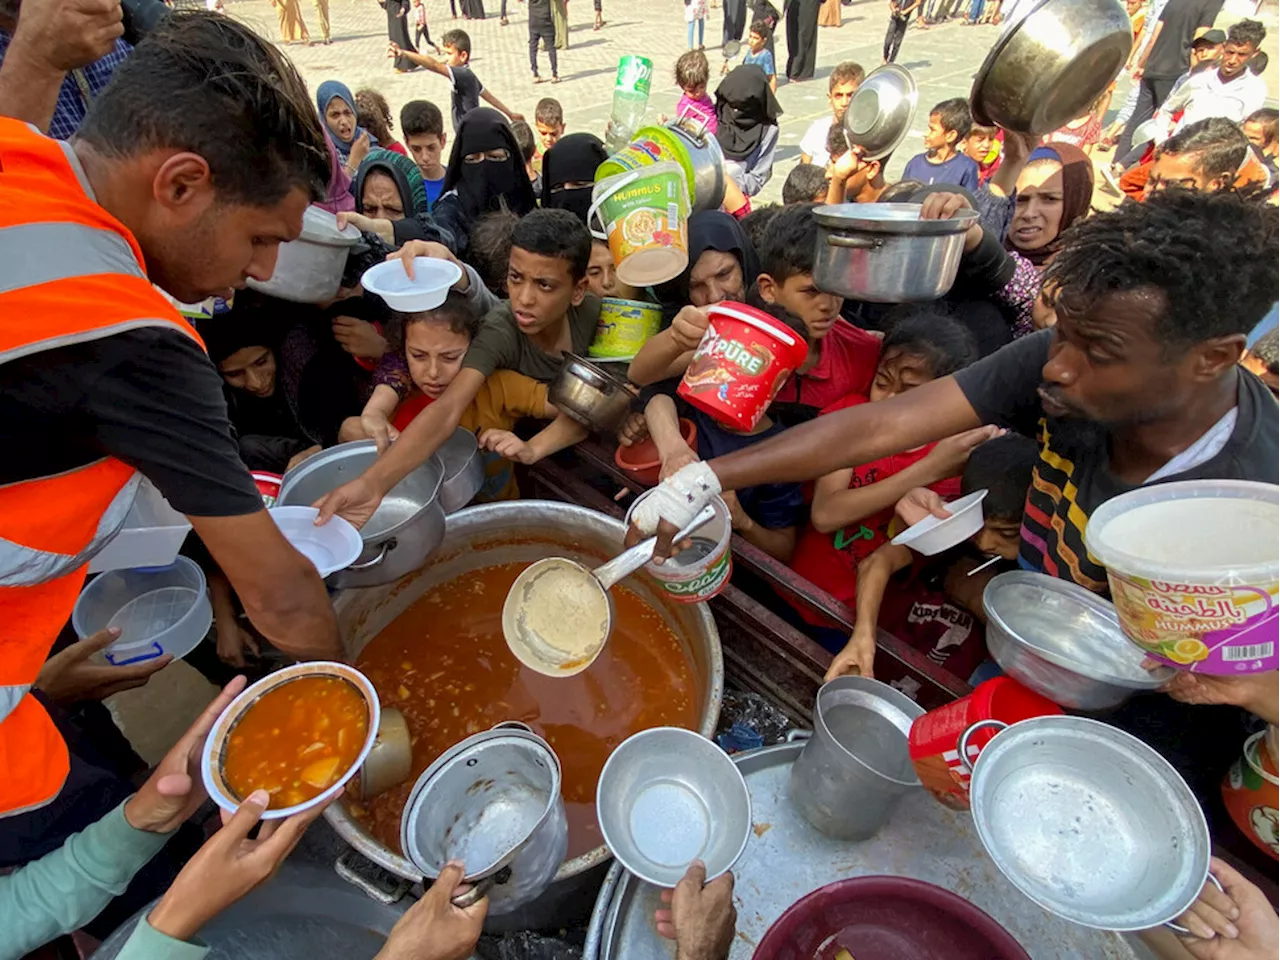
<point x="549" y="111"/>
<point x="1218" y="145"/>
<point x="846" y="71"/>
<point x="456" y="312"/>
<point x="902" y="191"/>
<point x="1258" y="62"/>
<point x="1247" y="31"/>
<point x="789" y="243"/>
<point x="1212" y="257"/>
<point x="778" y="312"/>
<point x="1003" y="467"/>
<point x="555" y="233"/>
<point x="761" y="29"/>
<point x="756" y="223"/>
<point x="228" y="96"/>
<point x="489" y="247"/>
<point x="803" y="183"/>
<point x="990" y="130"/>
<point x="524" y="140"/>
<point x="458" y="39"/>
<point x="954" y="115"/>
<point x="1267" y="349"/>
<point x="692" y="70"/>
<point x="1269" y="119"/>
<point x="421" y="117"/>
<point x="837" y="141"/>
<point x="931" y="332"/>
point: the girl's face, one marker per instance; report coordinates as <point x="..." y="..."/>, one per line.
<point x="341" y="119"/>
<point x="380" y="197"/>
<point x="1037" y="213"/>
<point x="251" y="369"/>
<point x="434" y="354"/>
<point x="897" y="372"/>
<point x="715" y="276"/>
<point x="602" y="277"/>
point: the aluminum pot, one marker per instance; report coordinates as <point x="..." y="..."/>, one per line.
<point x="1049" y="66"/>
<point x="463" y="470"/>
<point x="590" y="395"/>
<point x="403" y="532"/>
<point x="309" y="269"/>
<point x="520" y="532"/>
<point x="492" y="802"/>
<point x="706" y="159"/>
<point x="884" y="252"/>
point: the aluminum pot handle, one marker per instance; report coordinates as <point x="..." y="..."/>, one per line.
<point x="798" y="736"/>
<point x="343" y="868"/>
<point x="382" y="555"/>
<point x="1183" y="931"/>
<point x="480" y="889"/>
<point x="853" y="243"/>
<point x="702" y="123"/>
<point x="512" y="725"/>
<point x="964" y="740"/>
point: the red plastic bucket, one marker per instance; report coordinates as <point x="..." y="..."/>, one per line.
<point x="935" y="737"/>
<point x="268" y="485"/>
<point x="742" y="362"/>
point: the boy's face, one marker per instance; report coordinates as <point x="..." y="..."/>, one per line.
<point x="977" y="146"/>
<point x="550" y="133"/>
<point x="840" y="95"/>
<point x="897" y="372"/>
<point x="427" y="149"/>
<point x="756" y="42"/>
<point x="455" y="57"/>
<point x="434" y="354"/>
<point x="936" y="138"/>
<point x="602" y="276"/>
<point x="801" y="298"/>
<point x="1000" y="536"/>
<point x="541" y="290"/>
<point x="1256" y="134"/>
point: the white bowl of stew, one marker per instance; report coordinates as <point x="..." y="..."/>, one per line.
<point x="300" y="734"/>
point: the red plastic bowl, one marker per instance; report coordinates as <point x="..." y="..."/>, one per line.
<point x="641" y="459"/>
<point x="886" y="918"/>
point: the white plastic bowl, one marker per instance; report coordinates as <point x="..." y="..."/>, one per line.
<point x="332" y="547"/>
<point x="932" y="535"/>
<point x="211" y="758"/>
<point x="159" y="610"/>
<point x="431" y="281"/>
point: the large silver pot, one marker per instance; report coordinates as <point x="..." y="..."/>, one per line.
<point x="403" y="532"/>
<point x="512" y="532"/>
<point x="309" y="269"/>
<point x="884" y="252"/>
<point x="1048" y="66"/>
<point x="707" y="160"/>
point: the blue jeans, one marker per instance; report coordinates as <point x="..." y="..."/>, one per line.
<point x="975" y="10"/>
<point x="701" y="24"/>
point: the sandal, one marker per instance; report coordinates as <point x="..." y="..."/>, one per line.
<point x="554" y="78"/>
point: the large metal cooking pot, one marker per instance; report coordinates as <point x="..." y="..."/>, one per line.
<point x="402" y="533"/>
<point x="1050" y="65"/>
<point x="706" y="158"/>
<point x="511" y="532"/>
<point x="884" y="252"/>
<point x="309" y="269"/>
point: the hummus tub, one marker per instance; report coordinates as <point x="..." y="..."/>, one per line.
<point x="644" y="216"/>
<point x="1194" y="571"/>
<point x="624" y="327"/>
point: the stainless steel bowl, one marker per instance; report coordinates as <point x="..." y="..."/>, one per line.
<point x="881" y="111"/>
<point x="589" y="394"/>
<point x="463" y="470"/>
<point x="1090" y="823"/>
<point x="667" y="797"/>
<point x="1063" y="642"/>
<point x="1047" y="67"/>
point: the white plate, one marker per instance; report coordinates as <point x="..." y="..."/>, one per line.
<point x="431" y="281"/>
<point x="332" y="547"/>
<point x="932" y="535"/>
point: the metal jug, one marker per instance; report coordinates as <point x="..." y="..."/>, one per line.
<point x="856" y="764"/>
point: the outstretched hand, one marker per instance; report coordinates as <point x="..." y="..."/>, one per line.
<point x="700" y="916"/>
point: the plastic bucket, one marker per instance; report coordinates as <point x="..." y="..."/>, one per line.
<point x="650" y="146"/>
<point x="742" y="362"/>
<point x="641" y="460"/>
<point x="1194" y="570"/>
<point x="1251" y="793"/>
<point x="268" y="485"/>
<point x="935" y="737"/>
<point x="645" y="217"/>
<point x="624" y="327"/>
<point x="701" y="572"/>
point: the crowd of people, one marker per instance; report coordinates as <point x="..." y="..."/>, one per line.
<point x="1079" y="354"/>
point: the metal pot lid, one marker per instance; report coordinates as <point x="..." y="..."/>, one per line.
<point x="896" y="218"/>
<point x="320" y="226"/>
<point x="1070" y="627"/>
<point x="881" y="111"/>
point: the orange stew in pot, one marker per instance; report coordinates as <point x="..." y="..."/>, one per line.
<point x="297" y="740"/>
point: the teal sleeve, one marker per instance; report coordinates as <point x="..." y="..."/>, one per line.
<point x="147" y="943"/>
<point x="68" y="887"/>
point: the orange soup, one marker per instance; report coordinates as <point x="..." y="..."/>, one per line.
<point x="297" y="740"/>
<point x="445" y="665"/>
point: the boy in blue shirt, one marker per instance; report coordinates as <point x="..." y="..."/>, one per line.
<point x="759" y="53"/>
<point x="942" y="161"/>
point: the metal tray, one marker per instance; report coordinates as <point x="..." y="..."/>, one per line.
<point x="786" y="859"/>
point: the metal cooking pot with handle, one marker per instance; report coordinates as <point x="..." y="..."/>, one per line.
<point x="309" y="269"/>
<point x="884" y="252"/>
<point x="706" y="158"/>
<point x="403" y="532"/>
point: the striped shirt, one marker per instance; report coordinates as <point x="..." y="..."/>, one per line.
<point x="78" y="87"/>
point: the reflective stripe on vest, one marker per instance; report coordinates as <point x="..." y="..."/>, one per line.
<point x="10" y="697"/>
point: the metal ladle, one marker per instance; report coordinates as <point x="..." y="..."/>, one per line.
<point x="535" y="651"/>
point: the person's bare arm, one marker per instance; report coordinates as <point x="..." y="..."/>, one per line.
<point x="1017" y="148"/>
<point x="850" y="437"/>
<point x="561" y="433"/>
<point x="281" y="591"/>
<point x="498" y="105"/>
<point x="874" y="572"/>
<point x="668" y="353"/>
<point x="53" y="37"/>
<point x="1146" y="51"/>
<point x="421" y="59"/>
<point x="778" y="542"/>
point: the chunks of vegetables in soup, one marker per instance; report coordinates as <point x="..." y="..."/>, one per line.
<point x="297" y="740"/>
<point x="444" y="664"/>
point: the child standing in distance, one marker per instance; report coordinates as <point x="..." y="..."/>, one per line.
<point x="841" y="86"/>
<point x="420" y="26"/>
<point x="542" y="27"/>
<point x="692" y="75"/>
<point x="467" y="89"/>
<point x="982" y="146"/>
<point x="758" y="54"/>
<point x="548" y="117"/>
<point x="900" y="12"/>
<point x="422" y="124"/>
<point x="942" y="162"/>
<point x="695" y="14"/>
